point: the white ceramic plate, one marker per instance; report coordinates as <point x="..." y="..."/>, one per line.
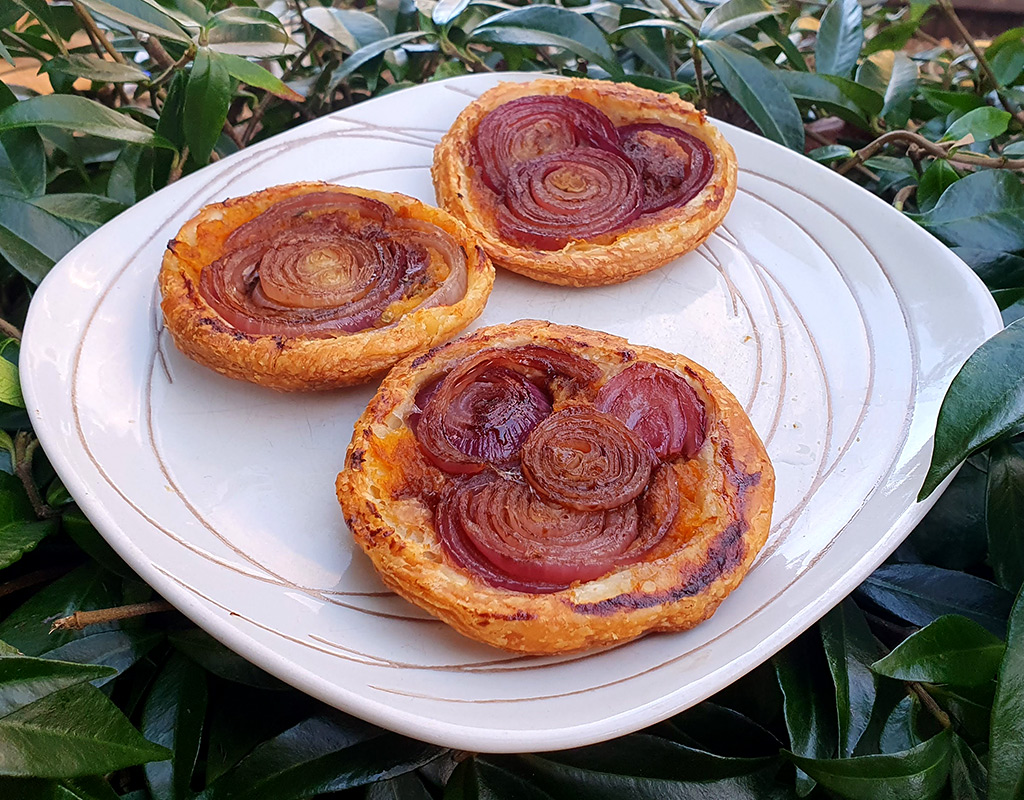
<point x="835" y="320"/>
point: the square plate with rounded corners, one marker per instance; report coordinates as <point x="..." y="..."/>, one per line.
<point x="835" y="320"/>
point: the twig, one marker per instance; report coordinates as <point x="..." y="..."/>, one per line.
<point x="983" y="65"/>
<point x="178" y="166"/>
<point x="929" y="702"/>
<point x="902" y="196"/>
<point x="698" y="68"/>
<point x="25" y="446"/>
<point x="232" y="134"/>
<point x="94" y="30"/>
<point x="8" y="330"/>
<point x="261" y="108"/>
<point x="83" y="619"/>
<point x="932" y="149"/>
<point x="823" y="141"/>
<point x="31" y="579"/>
<point x="156" y="50"/>
<point x="39" y="54"/>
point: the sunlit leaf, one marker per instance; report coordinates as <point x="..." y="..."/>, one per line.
<point x="839" y="38"/>
<point x="206" y="104"/>
<point x="732" y="16"/>
<point x="981" y="123"/>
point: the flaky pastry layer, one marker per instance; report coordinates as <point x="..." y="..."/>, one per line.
<point x="727" y="491"/>
<point x="650" y="242"/>
<point x="302" y="363"/>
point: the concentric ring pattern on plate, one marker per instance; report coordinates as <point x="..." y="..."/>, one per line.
<point x="837" y="322"/>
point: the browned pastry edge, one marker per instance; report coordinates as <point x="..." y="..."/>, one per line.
<point x="674" y="588"/>
<point x="298" y="363"/>
<point x="655" y="241"/>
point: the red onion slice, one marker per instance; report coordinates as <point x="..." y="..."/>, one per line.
<point x="674" y="165"/>
<point x="586" y="460"/>
<point x="523" y="129"/>
<point x="659" y="406"/>
<point x="579" y="194"/>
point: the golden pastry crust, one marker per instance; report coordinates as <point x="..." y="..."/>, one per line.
<point x="652" y="241"/>
<point x="301" y="363"/>
<point x="723" y="521"/>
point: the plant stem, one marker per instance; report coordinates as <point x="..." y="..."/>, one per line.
<point x="698" y="69"/>
<point x="902" y="196"/>
<point x="31" y="579"/>
<point x="25" y="446"/>
<point x="929" y="702"/>
<point x="83" y="619"/>
<point x="94" y="30"/>
<point x="39" y="54"/>
<point x="8" y="330"/>
<point x="932" y="149"/>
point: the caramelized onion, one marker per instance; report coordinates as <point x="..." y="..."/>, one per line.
<point x="483" y="410"/>
<point x="528" y="127"/>
<point x="328" y="262"/>
<point x="584" y="459"/>
<point x="535" y="545"/>
<point x="658" y="507"/>
<point x="578" y="194"/>
<point x="674" y="165"/>
<point x="659" y="406"/>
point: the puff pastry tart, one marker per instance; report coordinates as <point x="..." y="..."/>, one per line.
<point x="549" y="489"/>
<point x="583" y="182"/>
<point x="315" y="286"/>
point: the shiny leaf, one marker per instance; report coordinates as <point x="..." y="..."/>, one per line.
<point x="981" y="123"/>
<point x="984" y="402"/>
<point x="850" y="649"/>
<point x="447" y="11"/>
<point x="354" y="29"/>
<point x="79" y="115"/>
<point x="95" y="69"/>
<point x="999" y="270"/>
<point x="953" y="649"/>
<point x="920" y="773"/>
<point x="401" y="787"/>
<point x="140" y="16"/>
<point x="822" y="92"/>
<point x="732" y="16"/>
<point x="839" y="39"/>
<point x="898" y="732"/>
<point x="23" y="679"/>
<point x="968" y="777"/>
<point x="1005" y="515"/>
<point x="983" y="210"/>
<point x="550" y="25"/>
<point x="759" y="90"/>
<point x="899" y="90"/>
<point x="222" y="662"/>
<point x="206" y="104"/>
<point x="939" y="176"/>
<point x="321" y="754"/>
<point x="174" y="717"/>
<point x="371" y="51"/>
<point x="920" y="594"/>
<point x="254" y="75"/>
<point x="1006" y="745"/>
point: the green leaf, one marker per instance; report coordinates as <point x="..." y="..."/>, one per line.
<point x="868" y="100"/>
<point x="254" y="75"/>
<point x="895" y="37"/>
<point x="140" y="16"/>
<point x="325" y="753"/>
<point x="206" y="104"/>
<point x="920" y="773"/>
<point x="939" y="176"/>
<point x="808" y="708"/>
<point x="920" y="594"/>
<point x="1014" y="149"/>
<point x="23" y="679"/>
<point x="660" y="84"/>
<point x="760" y="91"/>
<point x="447" y="11"/>
<point x="1008" y="63"/>
<point x="32" y="239"/>
<point x="22" y="157"/>
<point x="95" y="69"/>
<point x="984" y="402"/>
<point x="948" y="102"/>
<point x="1006" y="745"/>
<point x="822" y="92"/>
<point x="953" y="649"/>
<point x="983" y="210"/>
<point x="174" y="717"/>
<point x="850" y="649"/>
<point x="25" y="258"/>
<point x="84" y="212"/>
<point x="365" y="54"/>
<point x="68" y="733"/>
<point x="10" y="389"/>
<point x="477" y="779"/>
<point x="721" y="730"/>
<point x="222" y="662"/>
<point x="999" y="270"/>
<point x="553" y="26"/>
<point x="402" y="787"/>
<point x="732" y="16"/>
<point x="899" y="91"/>
<point x="19" y="538"/>
<point x="981" y="123"/>
<point x="840" y="36"/>
<point x="78" y="115"/>
<point x="86" y="788"/>
<point x="1004" y="497"/>
<point x="968" y="777"/>
<point x="354" y="29"/>
<point x="771" y="28"/>
<point x="898" y="732"/>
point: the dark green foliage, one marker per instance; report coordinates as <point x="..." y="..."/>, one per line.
<point x="911" y="688"/>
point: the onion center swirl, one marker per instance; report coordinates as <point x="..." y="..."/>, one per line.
<point x="551" y="481"/>
<point x="328" y="263"/>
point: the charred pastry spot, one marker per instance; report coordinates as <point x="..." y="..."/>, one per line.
<point x="172" y="246"/>
<point x="279" y="341"/>
<point x="190" y="287"/>
<point x="627" y="355"/>
<point x="356" y="459"/>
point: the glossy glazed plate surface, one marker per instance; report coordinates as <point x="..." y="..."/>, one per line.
<point x="837" y="322"/>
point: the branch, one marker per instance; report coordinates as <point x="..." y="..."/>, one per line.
<point x="932" y="149"/>
<point x="94" y="31"/>
<point x="8" y="330"/>
<point x="83" y="619"/>
<point x="25" y="446"/>
<point x="929" y="702"/>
